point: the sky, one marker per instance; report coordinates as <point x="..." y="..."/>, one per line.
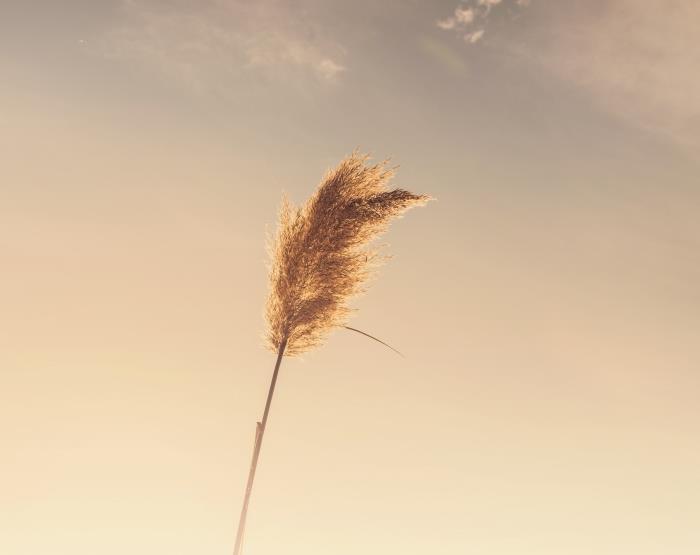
<point x="546" y="302"/>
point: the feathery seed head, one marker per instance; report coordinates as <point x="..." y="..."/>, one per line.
<point x="320" y="255"/>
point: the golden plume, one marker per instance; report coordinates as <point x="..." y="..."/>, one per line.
<point x="320" y="255"/>
<point x="320" y="258"/>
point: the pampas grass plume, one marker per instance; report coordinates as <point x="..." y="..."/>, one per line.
<point x="320" y="258"/>
<point x="320" y="255"/>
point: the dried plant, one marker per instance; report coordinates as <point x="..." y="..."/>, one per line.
<point x="320" y="257"/>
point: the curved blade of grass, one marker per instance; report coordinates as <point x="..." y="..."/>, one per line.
<point x="376" y="339"/>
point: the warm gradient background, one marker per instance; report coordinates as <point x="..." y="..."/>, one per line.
<point x="548" y="302"/>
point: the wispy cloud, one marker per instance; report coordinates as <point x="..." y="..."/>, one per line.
<point x="637" y="59"/>
<point x="488" y="2"/>
<point x="469" y="19"/>
<point x="203" y="44"/>
<point x="471" y="38"/>
<point x="460" y="18"/>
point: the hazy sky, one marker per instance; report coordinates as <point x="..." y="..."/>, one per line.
<point x="547" y="302"/>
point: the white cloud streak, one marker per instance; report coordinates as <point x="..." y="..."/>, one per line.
<point x="205" y="44"/>
<point x="470" y="13"/>
<point x="474" y="37"/>
<point x="637" y="59"/>
<point x="464" y="16"/>
<point x="449" y="23"/>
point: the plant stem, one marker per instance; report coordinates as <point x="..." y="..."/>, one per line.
<point x="259" y="432"/>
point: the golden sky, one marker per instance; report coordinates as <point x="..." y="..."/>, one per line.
<point x="547" y="302"/>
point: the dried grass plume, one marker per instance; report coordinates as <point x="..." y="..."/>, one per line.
<point x="320" y="256"/>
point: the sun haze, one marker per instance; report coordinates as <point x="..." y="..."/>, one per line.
<point x="546" y="303"/>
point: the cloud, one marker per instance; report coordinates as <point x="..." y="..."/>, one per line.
<point x="205" y="44"/>
<point x="637" y="59"/>
<point x="329" y="69"/>
<point x="461" y="17"/>
<point x="471" y="12"/>
<point x="449" y="23"/>
<point x="281" y="49"/>
<point x="471" y="38"/>
<point x="464" y="16"/>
